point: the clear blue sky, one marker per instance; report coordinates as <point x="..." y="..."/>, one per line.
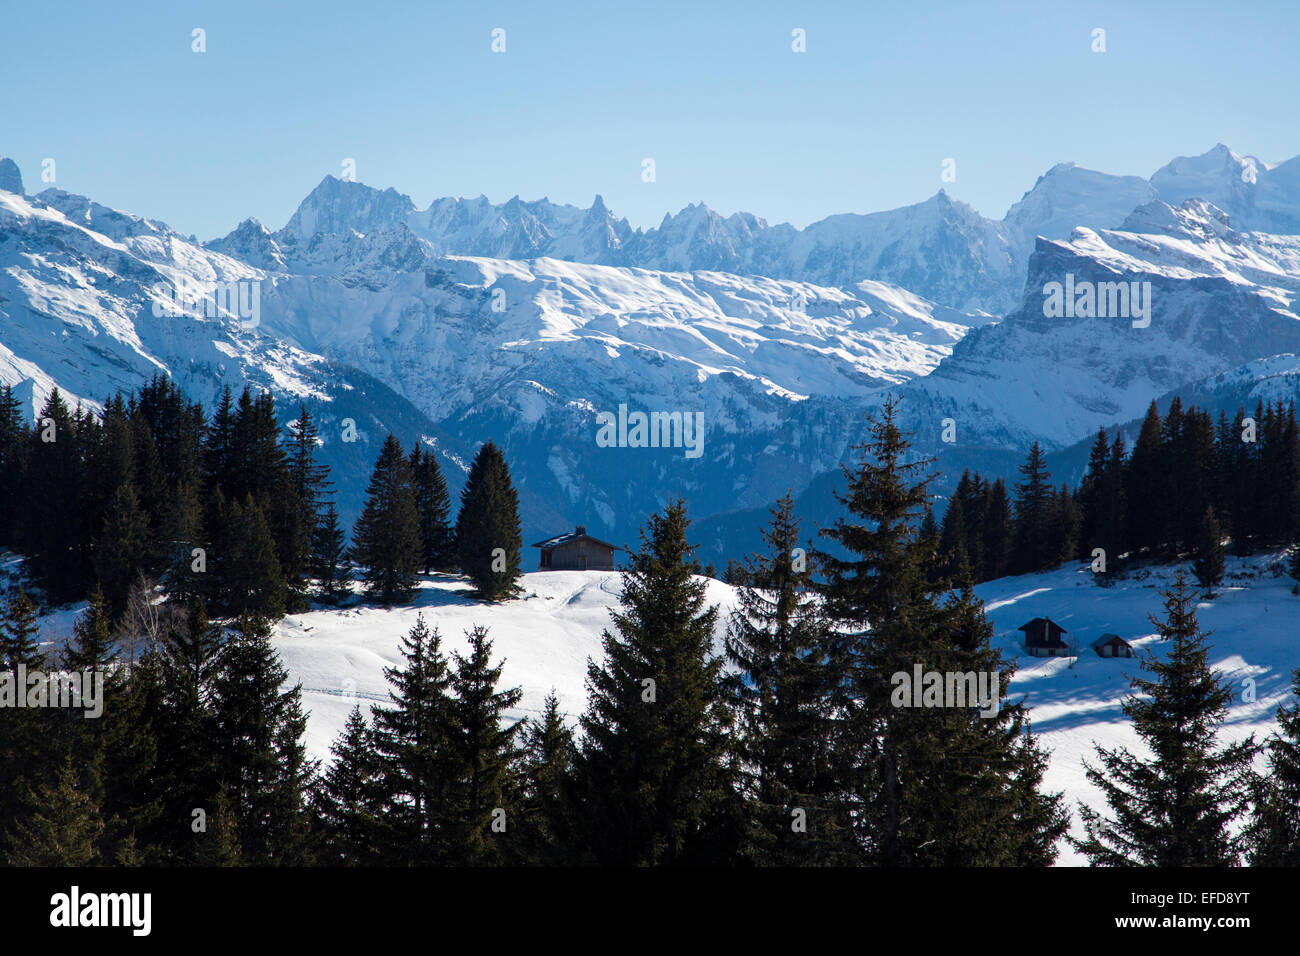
<point x="711" y="91"/>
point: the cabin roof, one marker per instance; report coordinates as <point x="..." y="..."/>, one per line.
<point x="577" y="534"/>
<point x="1109" y="639"/>
<point x="1042" y="621"/>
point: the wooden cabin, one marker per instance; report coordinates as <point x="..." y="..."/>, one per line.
<point x="1112" y="645"/>
<point x="1043" y="638"/>
<point x="576" y="551"/>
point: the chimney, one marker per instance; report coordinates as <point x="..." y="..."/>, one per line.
<point x="581" y="529"/>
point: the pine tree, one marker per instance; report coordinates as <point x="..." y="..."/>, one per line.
<point x="247" y="566"/>
<point x="184" y="534"/>
<point x="955" y="533"/>
<point x="1035" y="546"/>
<point x="307" y="487"/>
<point x="131" y="799"/>
<point x="25" y="756"/>
<point x="51" y="522"/>
<point x="1274" y="831"/>
<point x="985" y="772"/>
<point x="1145" y="485"/>
<point x="18" y="634"/>
<point x="308" y="477"/>
<point x="350" y="799"/>
<point x="1209" y="563"/>
<point x="414" y="740"/>
<point x="936" y="786"/>
<point x="779" y="646"/>
<point x="488" y="540"/>
<point x="433" y="504"/>
<point x="1090" y="486"/>
<point x="886" y="567"/>
<point x="1176" y="808"/>
<point x="1240" y="459"/>
<point x="217" y="844"/>
<point x="153" y="494"/>
<point x="13" y="455"/>
<point x="92" y="644"/>
<point x="330" y="555"/>
<point x="122" y="550"/>
<point x="486" y="791"/>
<point x="997" y="531"/>
<point x="1113" y="508"/>
<point x="1097" y="527"/>
<point x="1064" y="526"/>
<point x="1175" y="479"/>
<point x="258" y="728"/>
<point x="651" y="774"/>
<point x="183" y="713"/>
<point x="62" y="825"/>
<point x="546" y="761"/>
<point x="386" y="539"/>
<point x="219" y="463"/>
<point x="177" y="426"/>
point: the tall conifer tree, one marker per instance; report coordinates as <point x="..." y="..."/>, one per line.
<point x="386" y="538"/>
<point x="488" y="539"/>
<point x="437" y="539"/>
<point x="779" y="645"/>
<point x="1177" y="807"/>
<point x="1274" y="832"/>
<point x="652" y="774"/>
<point x="415" y="741"/>
<point x="486" y="791"/>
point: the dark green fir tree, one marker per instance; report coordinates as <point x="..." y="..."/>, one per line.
<point x="1178" y="806"/>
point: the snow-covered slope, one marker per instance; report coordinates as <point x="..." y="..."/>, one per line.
<point x="546" y="637"/>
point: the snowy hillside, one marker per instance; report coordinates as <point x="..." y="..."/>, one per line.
<point x="547" y="636"/>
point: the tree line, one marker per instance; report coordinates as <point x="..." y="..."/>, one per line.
<point x="1188" y="484"/>
<point x="785" y="749"/>
<point x="233" y="508"/>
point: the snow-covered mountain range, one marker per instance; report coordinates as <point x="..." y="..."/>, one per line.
<point x="524" y="321"/>
<point x="1218" y="299"/>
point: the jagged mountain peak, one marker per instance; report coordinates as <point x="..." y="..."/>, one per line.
<point x="339" y="205"/>
<point x="940" y="247"/>
<point x="253" y="243"/>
